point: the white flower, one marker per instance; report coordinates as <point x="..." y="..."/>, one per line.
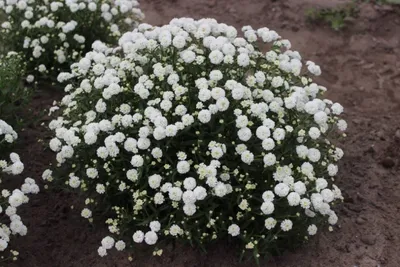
<point x="107" y="242"/>
<point x="74" y="181"/>
<point x="300" y="188"/>
<point x="175" y="230"/>
<point x="268" y="196"/>
<point x="47" y="174"/>
<point x="332" y="169"/>
<point x="166" y="187"/>
<point x="175" y="193"/>
<point x="244" y="134"/>
<point x="156" y="152"/>
<point x="189" y="197"/>
<point x="216" y="57"/>
<point x="216" y="75"/>
<point x="171" y="130"/>
<point x="247" y="157"/>
<point x="92" y="173"/>
<point x="55" y="144"/>
<point x="269" y="123"/>
<point x="189" y="183"/>
<point x="150" y="238"/>
<point x="279" y="134"/>
<point x="269" y="159"/>
<point x="270" y="223"/>
<point x="17" y="168"/>
<point x="337" y="109"/>
<point x="137" y="161"/>
<point x="154" y="181"/>
<point x="138" y="237"/>
<point x="305" y="203"/>
<point x="314" y="133"/>
<point x="307" y="168"/>
<point x="342" y="125"/>
<point x="333" y="218"/>
<point x="277" y="81"/>
<point x="158" y="198"/>
<point x="267" y="207"/>
<point x="302" y="151"/>
<point x="102" y="152"/>
<point x="212" y="181"/>
<point x="179" y="42"/>
<point x="263" y="132"/>
<point x="241" y="121"/>
<point x="243" y="60"/>
<point x="312" y="229"/>
<point x="159" y="133"/>
<point x="204" y="94"/>
<point x="204" y="116"/>
<point x="311" y="107"/>
<point x="314" y="154"/>
<point x="244" y="204"/>
<point x="189" y="209"/>
<point x="281" y="189"/>
<point x="220" y="190"/>
<point x="314" y="69"/>
<point x="155" y="226"/>
<point x="183" y="167"/>
<point x="320" y="184"/>
<point x="286" y="225"/>
<point x="102" y="251"/>
<point x="17" y="198"/>
<point x="222" y="104"/>
<point x="120" y="245"/>
<point x="86" y="213"/>
<point x="240" y="148"/>
<point x="217" y="93"/>
<point x="200" y="192"/>
<point x="100" y="189"/>
<point x="293" y="199"/>
<point x="234" y="230"/>
<point x="268" y="144"/>
<point x="327" y="195"/>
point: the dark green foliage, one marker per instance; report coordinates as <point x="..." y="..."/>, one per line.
<point x="13" y="94"/>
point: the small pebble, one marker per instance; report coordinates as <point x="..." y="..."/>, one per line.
<point x="397" y="135"/>
<point x="361" y="220"/>
<point x="388" y="163"/>
<point x="368" y="239"/>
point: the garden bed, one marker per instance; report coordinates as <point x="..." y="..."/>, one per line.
<point x="361" y="70"/>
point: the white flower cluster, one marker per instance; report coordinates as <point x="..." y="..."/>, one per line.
<point x="10" y="221"/>
<point x="192" y="132"/>
<point x="53" y="34"/>
<point x="7" y="133"/>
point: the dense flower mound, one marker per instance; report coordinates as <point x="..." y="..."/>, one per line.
<point x="53" y="34"/>
<point x="191" y="132"/>
<point x="10" y="221"/>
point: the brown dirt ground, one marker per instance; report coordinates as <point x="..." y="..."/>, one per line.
<point x="362" y="70"/>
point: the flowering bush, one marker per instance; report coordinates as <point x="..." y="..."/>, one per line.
<point x="53" y="34"/>
<point x="10" y="221"/>
<point x="190" y="132"/>
<point x="13" y="94"/>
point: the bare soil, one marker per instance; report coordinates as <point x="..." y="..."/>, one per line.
<point x="361" y="68"/>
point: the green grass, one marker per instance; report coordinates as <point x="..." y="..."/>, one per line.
<point x="337" y="17"/>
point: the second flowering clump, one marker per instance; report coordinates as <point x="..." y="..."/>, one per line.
<point x="53" y="34"/>
<point x="10" y="222"/>
<point x="190" y="132"/>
